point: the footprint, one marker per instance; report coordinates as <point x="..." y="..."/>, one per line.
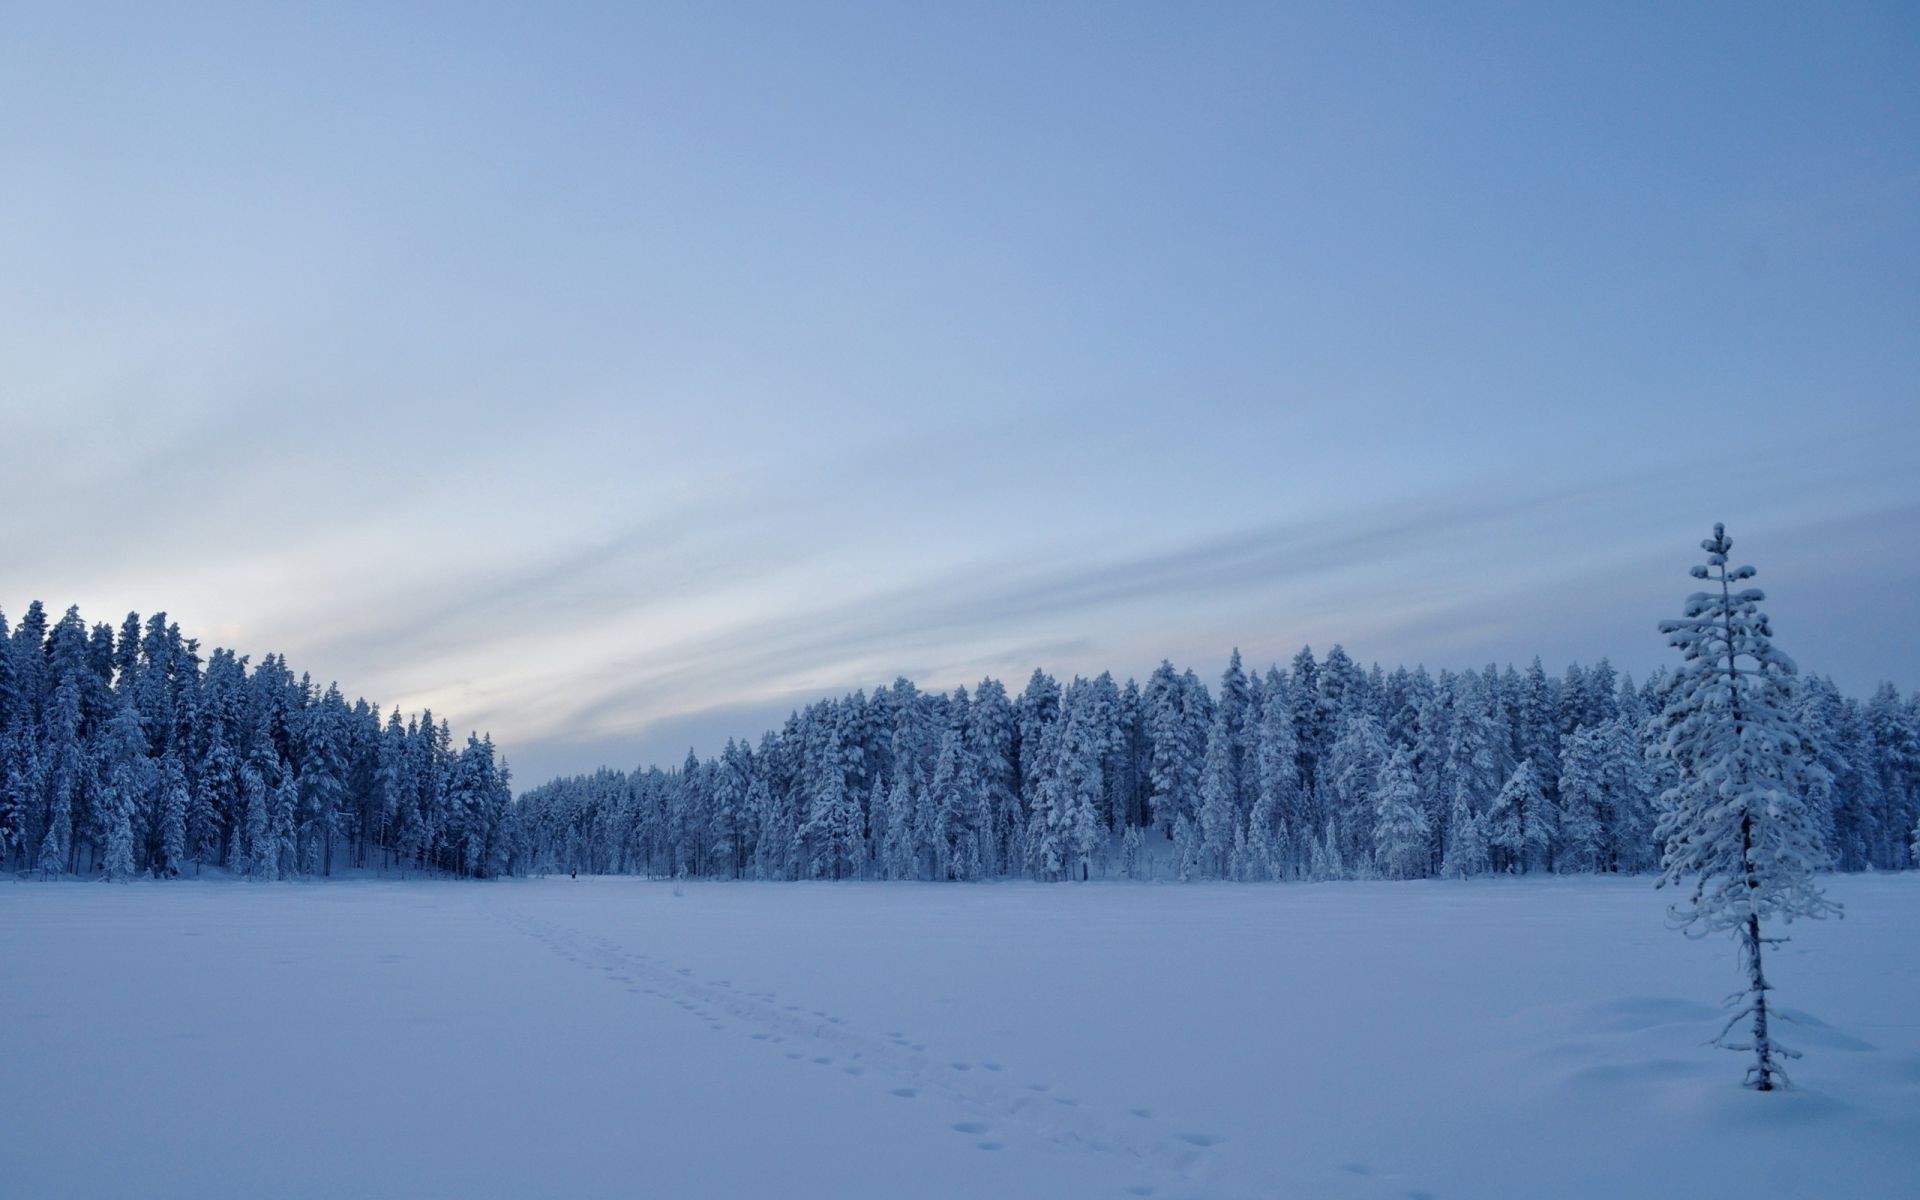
<point x="961" y="1066"/>
<point x="1199" y="1139"/>
<point x="759" y="1037"/>
<point x="969" y="1126"/>
<point x="1069" y="1101"/>
<point x="793" y="1054"/>
<point x="905" y="1093"/>
<point x="854" y="1070"/>
<point x="1145" y="1114"/>
<point x="1356" y="1168"/>
<point x="991" y="1066"/>
<point x="822" y="1059"/>
<point x="1039" y="1087"/>
<point x="987" y="1145"/>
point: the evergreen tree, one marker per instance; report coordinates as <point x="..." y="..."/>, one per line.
<point x="1585" y="760"/>
<point x="1350" y="774"/>
<point x="175" y="804"/>
<point x="1399" y="822"/>
<point x="1519" y="827"/>
<point x="1736" y="828"/>
<point x="834" y="832"/>
<point x="1175" y="753"/>
<point x="65" y="774"/>
<point x="128" y="779"/>
<point x="1219" y="822"/>
<point x="955" y="790"/>
<point x="1279" y="819"/>
<point x="1466" y="843"/>
<point x="990" y="741"/>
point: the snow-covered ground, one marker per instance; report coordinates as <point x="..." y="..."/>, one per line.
<point x="613" y="1037"/>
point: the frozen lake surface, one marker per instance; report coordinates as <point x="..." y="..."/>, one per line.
<point x="616" y="1037"/>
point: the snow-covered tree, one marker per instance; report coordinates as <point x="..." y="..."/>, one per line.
<point x="1349" y="775"/>
<point x="1219" y="823"/>
<point x="1279" y="819"/>
<point x="834" y="833"/>
<point x="956" y="791"/>
<point x="1584" y="763"/>
<point x="128" y="779"/>
<point x="1399" y="822"/>
<point x="1519" y="827"/>
<point x="1736" y="828"/>
<point x="1466" y="843"/>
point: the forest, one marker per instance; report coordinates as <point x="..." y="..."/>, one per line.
<point x="1321" y="770"/>
<point x="129" y="753"/>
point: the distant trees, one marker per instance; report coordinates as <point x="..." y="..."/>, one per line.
<point x="1319" y="770"/>
<point x="1739" y="833"/>
<point x="129" y="747"/>
<point x="126" y="753"/>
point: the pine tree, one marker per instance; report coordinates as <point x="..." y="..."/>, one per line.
<point x="1476" y="765"/>
<point x="1174" y="754"/>
<point x="1584" y="759"/>
<point x="834" y="832"/>
<point x="128" y="780"/>
<point x="955" y="788"/>
<point x="1047" y="831"/>
<point x="65" y="772"/>
<point x="1132" y="850"/>
<point x="990" y="739"/>
<point x="175" y="804"/>
<point x="897" y="857"/>
<point x="1466" y="843"/>
<point x="1519" y="826"/>
<point x="1736" y="829"/>
<point x="1349" y="775"/>
<point x="1279" y="819"/>
<point x="1399" y="822"/>
<point x="1896" y="761"/>
<point x="1219" y="823"/>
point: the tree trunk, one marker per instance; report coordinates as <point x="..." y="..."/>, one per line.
<point x="1763" y="1069"/>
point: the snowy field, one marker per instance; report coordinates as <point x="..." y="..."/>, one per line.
<point x="613" y="1037"/>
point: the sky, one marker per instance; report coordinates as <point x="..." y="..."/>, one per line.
<point x="617" y="377"/>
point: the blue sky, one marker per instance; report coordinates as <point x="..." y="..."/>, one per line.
<point x="617" y="376"/>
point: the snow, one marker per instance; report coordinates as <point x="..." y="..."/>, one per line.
<point x="618" y="1037"/>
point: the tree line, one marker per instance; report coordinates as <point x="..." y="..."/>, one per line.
<point x="1319" y="770"/>
<point x="128" y="753"/>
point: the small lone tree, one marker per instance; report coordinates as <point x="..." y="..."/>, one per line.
<point x="1736" y="828"/>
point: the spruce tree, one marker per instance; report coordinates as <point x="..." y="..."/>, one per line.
<point x="1218" y="822"/>
<point x="1519" y="826"/>
<point x="1399" y="822"/>
<point x="1736" y="828"/>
